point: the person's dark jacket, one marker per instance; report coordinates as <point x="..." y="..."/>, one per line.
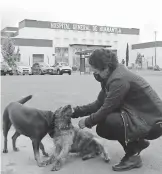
<point x="130" y="94"/>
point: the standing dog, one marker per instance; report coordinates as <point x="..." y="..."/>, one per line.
<point x="71" y="139"/>
<point x="30" y="122"/>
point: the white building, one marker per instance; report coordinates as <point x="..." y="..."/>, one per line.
<point x="54" y="41"/>
<point x="149" y="51"/>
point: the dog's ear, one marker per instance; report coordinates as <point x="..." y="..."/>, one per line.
<point x="51" y="133"/>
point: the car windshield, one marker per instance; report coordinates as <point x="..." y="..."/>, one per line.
<point x="21" y="64"/>
<point x="44" y="65"/>
<point x="64" y="64"/>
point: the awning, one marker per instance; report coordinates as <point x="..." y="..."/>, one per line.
<point x="85" y="52"/>
<point x="90" y="45"/>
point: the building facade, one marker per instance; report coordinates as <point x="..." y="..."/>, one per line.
<point x="43" y="41"/>
<point x="151" y="53"/>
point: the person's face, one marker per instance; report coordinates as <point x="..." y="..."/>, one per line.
<point x="102" y="73"/>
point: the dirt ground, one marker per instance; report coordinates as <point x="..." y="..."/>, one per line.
<point x="50" y="92"/>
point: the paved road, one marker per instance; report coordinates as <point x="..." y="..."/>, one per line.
<point x="50" y="92"/>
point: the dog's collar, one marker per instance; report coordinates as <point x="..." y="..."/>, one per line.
<point x="67" y="127"/>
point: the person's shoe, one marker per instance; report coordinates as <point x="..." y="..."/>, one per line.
<point x="128" y="163"/>
<point x="141" y="145"/>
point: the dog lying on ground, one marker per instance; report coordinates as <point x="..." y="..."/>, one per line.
<point x="30" y="122"/>
<point x="71" y="139"/>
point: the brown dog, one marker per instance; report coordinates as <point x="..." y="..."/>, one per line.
<point x="30" y="122"/>
<point x="71" y="139"/>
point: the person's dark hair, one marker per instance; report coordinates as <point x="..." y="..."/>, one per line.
<point x="102" y="59"/>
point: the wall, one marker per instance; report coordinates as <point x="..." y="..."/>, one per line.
<point x="27" y="52"/>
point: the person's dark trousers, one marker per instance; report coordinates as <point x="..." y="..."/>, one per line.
<point x="112" y="128"/>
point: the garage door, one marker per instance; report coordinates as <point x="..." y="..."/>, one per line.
<point x="38" y="58"/>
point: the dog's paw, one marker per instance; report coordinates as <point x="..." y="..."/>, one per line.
<point x="106" y="158"/>
<point x="16" y="149"/>
<point x="50" y="160"/>
<point x="56" y="166"/>
<point x="42" y="164"/>
<point x="5" y="151"/>
<point x="87" y="157"/>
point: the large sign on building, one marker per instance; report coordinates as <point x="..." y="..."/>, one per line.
<point x="83" y="27"/>
<point x="77" y="27"/>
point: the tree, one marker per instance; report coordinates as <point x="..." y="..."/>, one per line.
<point x="8" y="51"/>
<point x="16" y="56"/>
<point x="127" y="55"/>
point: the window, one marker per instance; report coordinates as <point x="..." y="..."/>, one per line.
<point x="84" y="33"/>
<point x="66" y="40"/>
<point x="83" y="40"/>
<point x="107" y="42"/>
<point x="99" y="41"/>
<point x="92" y="41"/>
<point x="38" y="58"/>
<point x="75" y="40"/>
<point x="115" y="43"/>
<point x="57" y="40"/>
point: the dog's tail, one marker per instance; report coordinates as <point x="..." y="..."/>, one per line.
<point x="25" y="99"/>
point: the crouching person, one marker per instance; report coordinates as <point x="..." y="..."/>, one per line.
<point x="127" y="108"/>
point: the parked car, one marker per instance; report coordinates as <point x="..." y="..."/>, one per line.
<point x="62" y="67"/>
<point x="21" y="68"/>
<point x="157" y="68"/>
<point x="42" y="68"/>
<point x="5" y="69"/>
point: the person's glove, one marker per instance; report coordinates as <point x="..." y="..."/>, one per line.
<point x="84" y="123"/>
<point x="75" y="112"/>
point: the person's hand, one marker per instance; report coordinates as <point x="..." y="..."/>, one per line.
<point x="81" y="123"/>
<point x="74" y="114"/>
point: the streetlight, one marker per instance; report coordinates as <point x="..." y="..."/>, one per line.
<point x="155" y="46"/>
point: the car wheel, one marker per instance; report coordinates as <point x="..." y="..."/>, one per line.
<point x="69" y="73"/>
<point x="2" y="73"/>
<point x="10" y="74"/>
<point x="40" y="72"/>
<point x="59" y="72"/>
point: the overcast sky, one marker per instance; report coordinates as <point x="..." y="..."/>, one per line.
<point x="143" y="14"/>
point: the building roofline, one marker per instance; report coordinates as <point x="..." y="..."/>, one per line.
<point x="10" y="29"/>
<point x="147" y="45"/>
<point x="90" y="45"/>
<point x="77" y="27"/>
<point x="74" y="23"/>
<point x="30" y="42"/>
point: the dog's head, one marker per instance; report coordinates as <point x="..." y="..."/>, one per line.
<point x="63" y="117"/>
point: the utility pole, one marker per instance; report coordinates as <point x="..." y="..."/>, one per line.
<point x="155" y="46"/>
